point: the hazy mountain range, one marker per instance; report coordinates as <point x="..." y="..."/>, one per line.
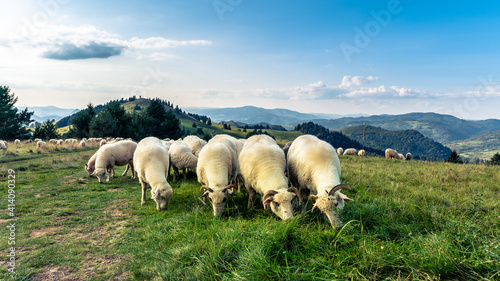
<point x="43" y="113"/>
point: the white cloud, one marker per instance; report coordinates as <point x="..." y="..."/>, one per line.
<point x="356" y="81"/>
<point x="156" y="57"/>
<point x="161" y="43"/>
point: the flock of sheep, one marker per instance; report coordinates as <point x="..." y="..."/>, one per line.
<point x="306" y="168"/>
<point x="72" y="143"/>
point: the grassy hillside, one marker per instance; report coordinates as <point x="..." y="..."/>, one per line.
<point x="410" y="220"/>
<point x="403" y="141"/>
<point x="483" y="146"/>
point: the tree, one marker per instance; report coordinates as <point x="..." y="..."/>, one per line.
<point x="194" y="125"/>
<point x="454" y="158"/>
<point x="46" y="131"/>
<point x="12" y="122"/>
<point x="112" y="121"/>
<point x="81" y="123"/>
<point x="209" y="122"/>
<point x="495" y="159"/>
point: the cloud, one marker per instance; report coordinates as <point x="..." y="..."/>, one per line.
<point x="156" y="57"/>
<point x="355" y="81"/>
<point x="69" y="51"/>
<point x="161" y="43"/>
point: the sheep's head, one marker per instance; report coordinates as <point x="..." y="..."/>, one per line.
<point x="162" y="195"/>
<point x="100" y="173"/>
<point x="281" y="202"/>
<point x="218" y="197"/>
<point x="89" y="169"/>
<point x="328" y="202"/>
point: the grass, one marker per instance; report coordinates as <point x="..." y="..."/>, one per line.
<point x="410" y="220"/>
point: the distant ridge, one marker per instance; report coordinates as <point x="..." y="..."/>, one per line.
<point x="43" y="113"/>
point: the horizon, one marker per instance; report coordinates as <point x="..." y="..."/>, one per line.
<point x="382" y="57"/>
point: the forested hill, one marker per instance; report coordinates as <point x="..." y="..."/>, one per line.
<point x="336" y="139"/>
<point x="403" y="141"/>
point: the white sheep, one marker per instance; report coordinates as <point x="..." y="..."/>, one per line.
<point x="239" y="146"/>
<point x="217" y="167"/>
<point x="351" y="151"/>
<point x="60" y="142"/>
<point x="401" y="156"/>
<point x="362" y="153"/>
<point x="83" y="143"/>
<point x="36" y="140"/>
<point x="340" y="151"/>
<point x="102" y="142"/>
<point x="115" y="154"/>
<point x="408" y="156"/>
<point x="151" y="162"/>
<point x="3" y="145"/>
<point x="391" y="154"/>
<point x="262" y="164"/>
<point x="17" y="142"/>
<point x="53" y="141"/>
<point x="41" y="144"/>
<point x="313" y="165"/>
<point x="28" y="141"/>
<point x="181" y="158"/>
<point x="195" y="143"/>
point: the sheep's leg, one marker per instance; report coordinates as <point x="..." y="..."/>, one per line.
<point x="126" y="170"/>
<point x="144" y="188"/>
<point x="176" y="172"/>
<point x="185" y="170"/>
<point x="251" y="197"/>
<point x="134" y="174"/>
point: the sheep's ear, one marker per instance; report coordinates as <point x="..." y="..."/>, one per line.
<point x="157" y="192"/>
<point x="268" y="200"/>
<point x="230" y="192"/>
<point x="93" y="173"/>
<point x="205" y="195"/>
<point x="204" y="187"/>
<point x="86" y="166"/>
<point x="343" y="196"/>
<point x="313" y="197"/>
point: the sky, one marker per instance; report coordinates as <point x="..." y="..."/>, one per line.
<point x="323" y="56"/>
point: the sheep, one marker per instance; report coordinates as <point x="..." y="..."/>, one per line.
<point x="3" y="145"/>
<point x="286" y="148"/>
<point x="391" y="154"/>
<point x="28" y="141"/>
<point x="340" y="151"/>
<point x="151" y="162"/>
<point x="351" y="151"/>
<point x="60" y="142"/>
<point x="313" y="165"/>
<point x="262" y="163"/>
<point x="17" y="142"/>
<point x="401" y="156"/>
<point x="119" y="154"/>
<point x="195" y="143"/>
<point x="102" y="142"/>
<point x="53" y="141"/>
<point x="41" y="144"/>
<point x="83" y="143"/>
<point x="36" y="140"/>
<point x="362" y="153"/>
<point x="181" y="158"/>
<point x="408" y="156"/>
<point x="217" y="167"/>
<point x="239" y="146"/>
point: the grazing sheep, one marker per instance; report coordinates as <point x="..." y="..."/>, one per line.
<point x="239" y="146"/>
<point x="351" y="151"/>
<point x="286" y="148"/>
<point x="36" y="140"/>
<point x="401" y="156"/>
<point x="262" y="163"/>
<point x="195" y="143"/>
<point x="181" y="158"/>
<point x="313" y="165"/>
<point x="53" y="141"/>
<point x="3" y="145"/>
<point x="217" y="167"/>
<point x="103" y="142"/>
<point x="41" y="144"/>
<point x="151" y="163"/>
<point x="83" y="143"/>
<point x="362" y="153"/>
<point x="28" y="141"/>
<point x="340" y="151"/>
<point x="391" y="154"/>
<point x="408" y="156"/>
<point x="17" y="142"/>
<point x="114" y="154"/>
<point x="60" y="142"/>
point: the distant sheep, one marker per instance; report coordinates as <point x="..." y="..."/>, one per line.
<point x="17" y="142"/>
<point x="362" y="153"/>
<point x="286" y="148"/>
<point x="102" y="142"/>
<point x="151" y="162"/>
<point x="60" y="142"/>
<point x="181" y="158"/>
<point x="195" y="143"/>
<point x="114" y="154"/>
<point x="408" y="156"/>
<point x="262" y="163"/>
<point x="53" y="141"/>
<point x="36" y="140"/>
<point x="401" y="156"/>
<point x="340" y="151"/>
<point x="391" y="154"/>
<point x="3" y="145"/>
<point x="313" y="165"/>
<point x="351" y="151"/>
<point x="28" y="141"/>
<point x="41" y="144"/>
<point x="83" y="143"/>
<point x="217" y="167"/>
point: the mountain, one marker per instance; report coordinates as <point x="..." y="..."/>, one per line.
<point x="403" y="141"/>
<point x="42" y="113"/>
<point x="482" y="146"/>
<point x="439" y="127"/>
<point x="254" y="115"/>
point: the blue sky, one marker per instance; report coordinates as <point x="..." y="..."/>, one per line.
<point x="339" y="57"/>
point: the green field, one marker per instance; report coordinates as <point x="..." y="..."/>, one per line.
<point x="409" y="220"/>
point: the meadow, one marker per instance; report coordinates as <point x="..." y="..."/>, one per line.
<point x="410" y="220"/>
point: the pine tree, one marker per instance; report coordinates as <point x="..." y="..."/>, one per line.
<point x="454" y="158"/>
<point x="46" y="131"/>
<point x="495" y="159"/>
<point x="81" y="123"/>
<point x="12" y="122"/>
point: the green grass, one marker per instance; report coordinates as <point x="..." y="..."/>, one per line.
<point x="410" y="221"/>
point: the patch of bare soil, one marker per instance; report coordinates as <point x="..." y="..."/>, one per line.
<point x="40" y="232"/>
<point x="54" y="273"/>
<point x="3" y="221"/>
